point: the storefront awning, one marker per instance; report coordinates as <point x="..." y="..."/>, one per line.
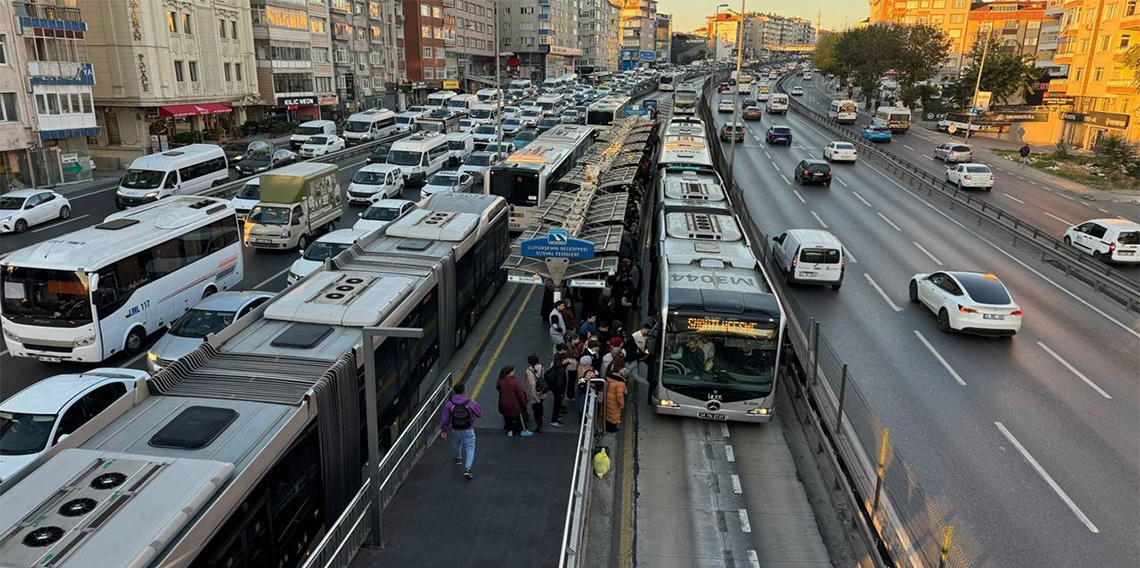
<point x="179" y="111"/>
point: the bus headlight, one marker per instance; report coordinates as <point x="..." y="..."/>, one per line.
<point x="84" y="341"/>
<point x="11" y="336"/>
<point x="668" y="403"/>
<point x="759" y="412"/>
<point x="284" y="233"/>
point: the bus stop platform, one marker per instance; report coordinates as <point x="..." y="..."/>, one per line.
<point x="512" y="513"/>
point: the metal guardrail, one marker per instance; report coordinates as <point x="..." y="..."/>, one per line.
<point x="352" y="529"/>
<point x="578" y="507"/>
<point x="1101" y="277"/>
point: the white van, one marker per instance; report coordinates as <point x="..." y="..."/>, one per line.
<point x="485" y="113"/>
<point x="810" y="256"/>
<point x="406" y="121"/>
<point x="489" y="95"/>
<point x="372" y="124"/>
<point x="311" y="128"/>
<point x="419" y="156"/>
<point x="187" y="170"/>
<point x="778" y="103"/>
<point x="521" y="84"/>
<point x="843" y="111"/>
<point x="374" y="182"/>
<point x="461" y="104"/>
<point x="246" y="197"/>
<point x="459" y="146"/>
<point x="439" y="99"/>
<point x="551" y="105"/>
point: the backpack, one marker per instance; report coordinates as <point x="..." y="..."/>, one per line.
<point x="554" y="376"/>
<point x="461" y="417"/>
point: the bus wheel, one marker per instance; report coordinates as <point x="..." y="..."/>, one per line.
<point x="209" y="291"/>
<point x="134" y="342"/>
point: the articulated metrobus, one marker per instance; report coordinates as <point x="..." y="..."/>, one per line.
<point x="685" y="152"/>
<point x="604" y="111"/>
<point x="685" y="100"/>
<point x="527" y="176"/>
<point x="102" y="290"/>
<point x="244" y="452"/>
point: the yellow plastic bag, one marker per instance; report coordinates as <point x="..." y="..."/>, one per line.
<point x="601" y="463"/>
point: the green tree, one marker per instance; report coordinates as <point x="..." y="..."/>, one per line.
<point x="868" y="53"/>
<point x="1006" y="72"/>
<point x="919" y="55"/>
<point x="826" y="56"/>
<point x="1115" y="152"/>
<point x="1132" y="61"/>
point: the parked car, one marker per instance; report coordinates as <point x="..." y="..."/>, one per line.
<point x="374" y="182"/>
<point x="326" y="246"/>
<point x="39" y="416"/>
<point x="732" y="131"/>
<point x="725" y="106"/>
<point x="952" y="152"/>
<point x="379" y="154"/>
<point x="321" y="145"/>
<point x="970" y="302"/>
<point x="25" y="208"/>
<point x="971" y="174"/>
<point x="211" y="315"/>
<point x="384" y="211"/>
<point x="447" y="182"/>
<point x="813" y="171"/>
<point x="1108" y="240"/>
<point x="264" y="161"/>
<point x="778" y="135"/>
<point x="840" y="152"/>
<point x="876" y="133"/>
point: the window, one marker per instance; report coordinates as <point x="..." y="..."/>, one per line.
<point x="939" y="4"/>
<point x="3" y="49"/>
<point x="226" y="71"/>
<point x="324" y="84"/>
<point x="1109" y="12"/>
<point x="425" y="10"/>
<point x="374" y="8"/>
<point x="193" y="71"/>
<point x="172" y="21"/>
<point x="429" y="73"/>
<point x="178" y="72"/>
<point x="1105" y="42"/>
<point x="8" y="108"/>
<point x="87" y="105"/>
<point x="233" y="29"/>
<point x="52" y="103"/>
<point x="1125" y="42"/>
<point x="427" y="53"/>
<point x="377" y="32"/>
<point x="186" y="29"/>
<point x="1080" y="73"/>
<point x="959" y="4"/>
<point x="341" y="83"/>
<point x="437" y="33"/>
<point x="957" y="18"/>
<point x="64" y="104"/>
<point x="1098" y="74"/>
<point x="41" y="104"/>
<point x="287" y="18"/>
<point x="318" y="26"/>
<point x="222" y="29"/>
<point x="937" y="19"/>
<point x="425" y="31"/>
<point x="237" y="71"/>
<point x="436" y="12"/>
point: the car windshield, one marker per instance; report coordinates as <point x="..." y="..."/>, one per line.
<point x="404" y="119"/>
<point x="444" y="178"/>
<point x="266" y="215"/>
<point x="319" y="250"/>
<point x="369" y="178"/>
<point x="456" y="144"/>
<point x="380" y="213"/>
<point x="46" y="294"/>
<point x="404" y="158"/>
<point x="478" y="160"/>
<point x="512" y="122"/>
<point x="11" y="203"/>
<point x="978" y="169"/>
<point x="485" y="129"/>
<point x="197" y="324"/>
<point x="525" y="135"/>
<point x="249" y="191"/>
<point x="531" y="112"/>
<point x="142" y="179"/>
<point x="317" y="140"/>
<point x="309" y="130"/>
<point x="258" y="159"/>
<point x="23" y="434"/>
<point x="480" y="113"/>
<point x="741" y="361"/>
<point x="984" y="288"/>
<point x="381" y="151"/>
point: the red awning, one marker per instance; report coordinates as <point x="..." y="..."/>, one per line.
<point x="179" y="111"/>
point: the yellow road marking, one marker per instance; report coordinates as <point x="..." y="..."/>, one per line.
<point x="502" y="343"/>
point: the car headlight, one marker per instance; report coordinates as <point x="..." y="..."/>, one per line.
<point x="11" y="336"/>
<point x="151" y="194"/>
<point x="84" y="341"/>
<point x="261" y="169"/>
<point x="285" y="233"/>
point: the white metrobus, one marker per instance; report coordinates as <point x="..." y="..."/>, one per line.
<point x="101" y="290"/>
<point x="606" y="110"/>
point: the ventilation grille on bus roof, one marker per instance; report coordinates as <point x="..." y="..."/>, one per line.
<point x="116" y="224"/>
<point x="695" y="191"/>
<point x="703" y="226"/>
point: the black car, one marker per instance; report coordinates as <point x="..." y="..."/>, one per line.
<point x="732" y="131"/>
<point x="813" y="171"/>
<point x="238" y="151"/>
<point x="379" y="154"/>
<point x="547" y="123"/>
<point x="263" y="161"/>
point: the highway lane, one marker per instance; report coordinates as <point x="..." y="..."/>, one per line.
<point x="949" y="432"/>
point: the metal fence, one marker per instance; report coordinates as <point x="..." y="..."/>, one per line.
<point x="353" y="528"/>
<point x="911" y="527"/>
<point x="578" y="507"/>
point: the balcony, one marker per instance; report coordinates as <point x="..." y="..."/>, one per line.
<point x="1131" y="19"/>
<point x="286" y="65"/>
<point x="61" y="73"/>
<point x="42" y="15"/>
<point x="1123" y="86"/>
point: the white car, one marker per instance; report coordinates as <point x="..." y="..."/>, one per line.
<point x="485" y="134"/>
<point x="321" y="145"/>
<point x="1108" y="240"/>
<point x="246" y="197"/>
<point x="211" y="315"/>
<point x="326" y="246"/>
<point x="511" y="111"/>
<point x="511" y="126"/>
<point x="374" y="182"/>
<point x="467" y="125"/>
<point x="970" y="302"/>
<point x="840" y="152"/>
<point x="30" y="207"/>
<point x="379" y="214"/>
<point x="971" y="174"/>
<point x="478" y="163"/>
<point x="530" y="116"/>
<point x="797" y="91"/>
<point x="725" y="106"/>
<point x="38" y="417"/>
<point x="447" y="182"/>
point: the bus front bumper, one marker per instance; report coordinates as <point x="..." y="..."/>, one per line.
<point x="760" y="416"/>
<point x="84" y="348"/>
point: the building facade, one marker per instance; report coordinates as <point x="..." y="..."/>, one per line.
<point x="663" y="37"/>
<point x="951" y="16"/>
<point x="638" y="34"/>
<point x="1016" y="22"/>
<point x="292" y="47"/>
<point x="541" y="37"/>
<point x="166" y="73"/>
<point x="472" y="53"/>
<point x="761" y="33"/>
<point x="687" y="48"/>
<point x="362" y="54"/>
<point x="425" y="53"/>
<point x="598" y="30"/>
<point x="17" y="115"/>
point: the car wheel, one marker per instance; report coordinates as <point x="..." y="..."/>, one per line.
<point x="134" y="343"/>
<point x="1068" y="241"/>
<point x="21" y="225"/>
<point x="959" y="185"/>
<point x="64" y="212"/>
<point x="209" y="291"/>
<point x="836" y="286"/>
<point x="913" y="291"/>
<point x="827" y="184"/>
<point x="302" y="241"/>
<point x="1098" y="256"/>
<point x="789" y="279"/>
<point x="943" y="321"/>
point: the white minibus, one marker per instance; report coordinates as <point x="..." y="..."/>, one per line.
<point x="419" y="156"/>
<point x="185" y="170"/>
<point x="370" y="125"/>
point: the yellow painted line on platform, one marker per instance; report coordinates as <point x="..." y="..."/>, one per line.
<point x="625" y="540"/>
<point x="502" y="342"/>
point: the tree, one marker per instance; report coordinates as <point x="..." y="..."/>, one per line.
<point x="826" y="56"/>
<point x="1115" y="153"/>
<point x="1132" y="61"/>
<point x="1006" y="72"/>
<point x="918" y="57"/>
<point x="868" y="53"/>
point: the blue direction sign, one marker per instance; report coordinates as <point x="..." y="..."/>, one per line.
<point x="557" y="244"/>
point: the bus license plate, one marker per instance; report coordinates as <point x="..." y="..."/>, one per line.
<point x="993" y="316"/>
<point x="48" y="359"/>
<point x="711" y="416"/>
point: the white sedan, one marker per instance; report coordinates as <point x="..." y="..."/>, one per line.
<point x="29" y="207"/>
<point x="797" y="91"/>
<point x="725" y="106"/>
<point x="321" y="145"/>
<point x="447" y="182"/>
<point x="971" y="174"/>
<point x="381" y="213"/>
<point x="840" y="152"/>
<point x="970" y="302"/>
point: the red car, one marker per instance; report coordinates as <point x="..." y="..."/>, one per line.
<point x="723" y="88"/>
<point x="752" y="113"/>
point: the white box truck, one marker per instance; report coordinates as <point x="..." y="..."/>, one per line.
<point x="297" y="203"/>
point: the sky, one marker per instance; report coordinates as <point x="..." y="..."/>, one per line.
<point x="689" y="15"/>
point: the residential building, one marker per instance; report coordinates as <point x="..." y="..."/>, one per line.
<point x="472" y="52"/>
<point x="361" y="55"/>
<point x="51" y="91"/>
<point x="543" y="37"/>
<point x="1016" y="22"/>
<point x="166" y="74"/>
<point x="663" y="37"/>
<point x="638" y="33"/>
<point x="951" y="16"/>
<point x="17" y="115"/>
<point x="761" y="33"/>
<point x="425" y="54"/>
<point x="599" y="27"/>
<point x="1047" y="41"/>
<point x="292" y="47"/>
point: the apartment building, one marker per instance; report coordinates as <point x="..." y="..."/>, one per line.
<point x="762" y="33"/>
<point x="1016" y="22"/>
<point x="425" y="53"/>
<point x="638" y="33"/>
<point x="292" y="48"/>
<point x="598" y="31"/>
<point x="472" y="53"/>
<point x="17" y="115"/>
<point x="362" y="54"/>
<point x="168" y="72"/>
<point x="542" y="36"/>
<point x="663" y="37"/>
<point x="951" y="16"/>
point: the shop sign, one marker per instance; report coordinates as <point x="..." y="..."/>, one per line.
<point x="1105" y="119"/>
<point x="296" y="101"/>
<point x="327" y="100"/>
<point x="451" y="85"/>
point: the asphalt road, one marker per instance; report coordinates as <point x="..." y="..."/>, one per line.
<point x="1026" y="445"/>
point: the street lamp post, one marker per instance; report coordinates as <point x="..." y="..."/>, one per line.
<point x="736" y="92"/>
<point x="499" y="86"/>
<point x="977" y="87"/>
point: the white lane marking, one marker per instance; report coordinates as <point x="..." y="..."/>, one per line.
<point x="1013" y="198"/>
<point x="1079" y="374"/>
<point x="1057" y="218"/>
<point x="1019" y="177"/>
<point x="909" y="148"/>
<point x="886" y="298"/>
<point x="1033" y="182"/>
<point x="54" y="225"/>
<point x="1048" y="478"/>
<point x="896" y="227"/>
<point x="765" y="151"/>
<point x="929" y="158"/>
<point x="782" y="176"/>
<point x="1102" y="209"/>
<point x="736" y="488"/>
<point x="728" y="453"/>
<point x="753" y="559"/>
<point x="744" y="525"/>
<point x="271" y="278"/>
<point x="1123" y="218"/>
<point x="850" y="256"/>
<point x="927" y="253"/>
<point x="797" y="194"/>
<point x="841" y="182"/>
<point x="3" y="353"/>
<point x="1065" y="196"/>
<point x="774" y="165"/>
<point x="96" y="192"/>
<point x="860" y="198"/>
<point x="724" y="430"/>
<point x="941" y="359"/>
<point x="818" y="220"/>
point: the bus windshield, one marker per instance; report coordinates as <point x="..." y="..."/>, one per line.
<point x="41" y="293"/>
<point x="404" y="158"/>
<point x="357" y="126"/>
<point x="518" y="188"/>
<point x="737" y="357"/>
<point x="267" y="215"/>
<point x="142" y="179"/>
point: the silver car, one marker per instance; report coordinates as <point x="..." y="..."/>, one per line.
<point x="952" y="153"/>
<point x="213" y="314"/>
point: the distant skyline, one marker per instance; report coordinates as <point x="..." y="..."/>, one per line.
<point x="689" y="15"/>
